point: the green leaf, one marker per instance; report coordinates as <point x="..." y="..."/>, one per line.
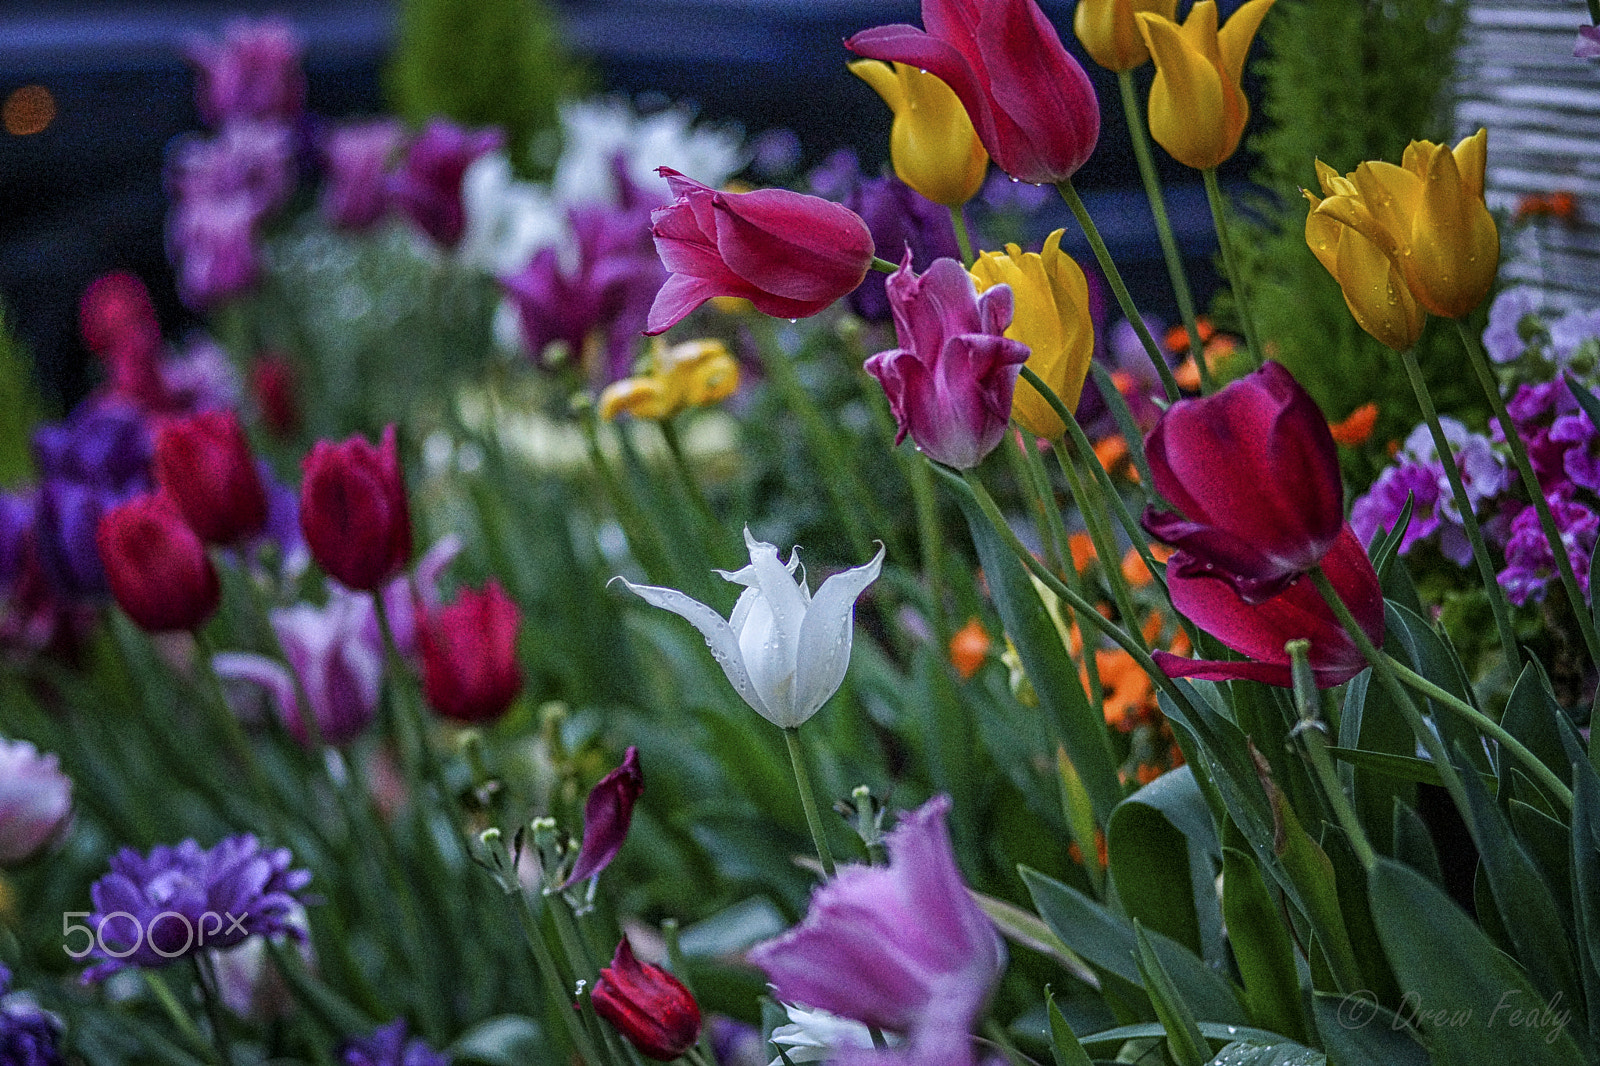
<point x="1405" y="767"/>
<point x="1371" y="723"/>
<point x="1358" y="1031"/>
<point x="1149" y="832"/>
<point x="1281" y="1054"/>
<point x="509" y="1040"/>
<point x="1184" y="1039"/>
<point x="1214" y="1032"/>
<point x="1586" y="882"/>
<point x="1064" y="1045"/>
<point x="1432" y="655"/>
<point x="1386" y="545"/>
<point x="1261" y="947"/>
<point x="1549" y="844"/>
<point x="1459" y="988"/>
<point x="1413" y="844"/>
<point x="1533" y="717"/>
<point x="1030" y="931"/>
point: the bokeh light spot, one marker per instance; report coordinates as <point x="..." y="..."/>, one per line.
<point x="28" y="110"/>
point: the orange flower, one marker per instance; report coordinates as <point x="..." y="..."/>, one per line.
<point x="1112" y="454"/>
<point x="1356" y="428"/>
<point x="1153" y="624"/>
<point x="1145" y="773"/>
<point x="1075" y="853"/>
<point x="1127" y="689"/>
<point x="969" y="647"/>
<point x="1178" y="336"/>
<point x="1133" y="569"/>
<point x="1082" y="549"/>
<point x="1563" y="205"/>
<point x="1180" y="645"/>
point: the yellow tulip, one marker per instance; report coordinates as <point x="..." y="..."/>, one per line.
<point x="1197" y="110"/>
<point x="932" y="143"/>
<point x="692" y="374"/>
<point x="1052" y="319"/>
<point x="1108" y="32"/>
<point x="1428" y="216"/>
<point x="1370" y="279"/>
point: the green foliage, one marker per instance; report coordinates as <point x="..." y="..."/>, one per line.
<point x="19" y="408"/>
<point x="1383" y="85"/>
<point x="487" y="62"/>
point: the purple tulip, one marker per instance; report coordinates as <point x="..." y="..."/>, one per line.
<point x="1588" y="46"/>
<point x="16" y="527"/>
<point x="356" y="157"/>
<point x="606" y="817"/>
<point x="252" y="164"/>
<point x="950" y="382"/>
<point x="35" y="801"/>
<point x="427" y="187"/>
<point x="900" y="218"/>
<point x="105" y="446"/>
<point x="390" y="1045"/>
<point x="904" y="947"/>
<point x="212" y="245"/>
<point x="1254" y="475"/>
<point x="150" y="911"/>
<point x="252" y="73"/>
<point x="66" y="517"/>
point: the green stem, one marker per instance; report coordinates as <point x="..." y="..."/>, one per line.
<point x="711" y="528"/>
<point x="1033" y="483"/>
<point x="931" y="535"/>
<point x="641" y="534"/>
<point x="1530" y="484"/>
<point x="802" y="780"/>
<point x="206" y="977"/>
<point x="175" y="1012"/>
<point x="958" y="221"/>
<point x="232" y="729"/>
<point x="1108" y="267"/>
<point x="1441" y="444"/>
<point x="1094" y="518"/>
<point x="669" y="933"/>
<point x="883" y="266"/>
<point x="1230" y="261"/>
<point x="1122" y="414"/>
<point x="1158" y="209"/>
<point x="554" y="982"/>
<point x="1314" y="739"/>
<point x="1489" y="728"/>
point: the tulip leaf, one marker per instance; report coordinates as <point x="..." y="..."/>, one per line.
<point x="1149" y="832"/>
<point x="1261" y="947"/>
<point x="1351" y="885"/>
<point x="1371" y="723"/>
<point x="1432" y="656"/>
<point x="1030" y="931"/>
<point x="1459" y="989"/>
<point x="1404" y="767"/>
<point x="508" y="1040"/>
<point x="1385" y="545"/>
<point x="1548" y="843"/>
<point x="1064" y="1044"/>
<point x="1586" y="883"/>
<point x="1081" y="728"/>
<point x="1283" y="1053"/>
<point x="1533" y="716"/>
<point x="1413" y="844"/>
<point x="1214" y="1032"/>
<point x="1358" y="1031"/>
<point x="1184" y="1040"/>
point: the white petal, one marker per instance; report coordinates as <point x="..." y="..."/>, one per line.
<point x="771" y="674"/>
<point x="720" y="637"/>
<point x="826" y="636"/>
<point x="783" y="598"/>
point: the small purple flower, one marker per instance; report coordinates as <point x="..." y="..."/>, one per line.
<point x="29" y="1035"/>
<point x="1569" y="332"/>
<point x="252" y="73"/>
<point x="212" y="245"/>
<point x="950" y="382"/>
<point x="606" y="817"/>
<point x="105" y="446"/>
<point x="903" y="947"/>
<point x="1002" y="193"/>
<point x="1533" y="408"/>
<point x="836" y="176"/>
<point x="250" y="164"/>
<point x="1588" y="46"/>
<point x="151" y="910"/>
<point x="427" y="186"/>
<point x="35" y="802"/>
<point x="356" y="158"/>
<point x="1380" y="508"/>
<point x="1581" y="461"/>
<point x="389" y="1046"/>
<point x="1530" y="564"/>
<point x="65" y="518"/>
<point x="1419" y="472"/>
<point x="900" y="218"/>
<point x="1484" y="473"/>
<point x="1503" y="338"/>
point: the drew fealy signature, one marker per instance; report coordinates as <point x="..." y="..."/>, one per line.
<point x="1513" y="1011"/>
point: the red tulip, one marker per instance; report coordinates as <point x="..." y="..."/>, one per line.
<point x="1033" y="106"/>
<point x="1254" y="473"/>
<point x="647" y="1005"/>
<point x="156" y="565"/>
<point x="606" y="817"/>
<point x="1260" y="630"/>
<point x="353" y="510"/>
<point x="272" y="383"/>
<point x="789" y="254"/>
<point x="203" y="463"/>
<point x="469" y="655"/>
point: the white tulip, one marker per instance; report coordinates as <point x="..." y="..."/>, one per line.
<point x="784" y="651"/>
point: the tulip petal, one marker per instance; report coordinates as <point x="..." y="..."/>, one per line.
<point x="678" y="296"/>
<point x="1038" y="89"/>
<point x="1236" y="35"/>
<point x="1223" y="669"/>
<point x="899" y="43"/>
<point x="1187" y="100"/>
<point x="1376" y="293"/>
<point x="826" y="636"/>
<point x="809" y="256"/>
<point x="720" y="637"/>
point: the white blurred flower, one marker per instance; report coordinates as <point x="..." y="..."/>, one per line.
<point x="784" y="651"/>
<point x="507" y="220"/>
<point x="816" y="1035"/>
<point x="596" y="131"/>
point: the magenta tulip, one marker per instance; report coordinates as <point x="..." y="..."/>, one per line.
<point x="427" y="185"/>
<point x="1033" y="106"/>
<point x="950" y="382"/>
<point x="647" y="1005"/>
<point x="469" y="655"/>
<point x="789" y="254"/>
<point x="1260" y="630"/>
<point x="156" y="565"/>
<point x="203" y="463"/>
<point x="354" y="512"/>
<point x="1254" y="475"/>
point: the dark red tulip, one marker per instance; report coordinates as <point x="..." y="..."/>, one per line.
<point x="1033" y="106"/>
<point x="272" y="383"/>
<point x="469" y="655"/>
<point x="1254" y="475"/>
<point x="203" y="464"/>
<point x="156" y="565"/>
<point x="606" y="817"/>
<point x="647" y="1005"/>
<point x="789" y="254"/>
<point x="1260" y="630"/>
<point x="354" y="512"/>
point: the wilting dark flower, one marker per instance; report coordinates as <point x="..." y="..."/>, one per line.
<point x="606" y="817"/>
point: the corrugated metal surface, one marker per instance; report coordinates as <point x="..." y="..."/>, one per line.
<point x="1518" y="77"/>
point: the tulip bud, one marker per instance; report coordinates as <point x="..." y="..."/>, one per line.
<point x="647" y="1005"/>
<point x="469" y="655"/>
<point x="156" y="565"/>
<point x="606" y="817"/>
<point x="35" y="801"/>
<point x="932" y="144"/>
<point x="272" y="383"/>
<point x="1052" y="318"/>
<point x="354" y="512"/>
<point x="1109" y="32"/>
<point x="203" y="464"/>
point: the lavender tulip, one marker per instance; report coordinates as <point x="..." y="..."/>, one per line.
<point x="951" y="380"/>
<point x="356" y="157"/>
<point x="252" y="73"/>
<point x="35" y="801"/>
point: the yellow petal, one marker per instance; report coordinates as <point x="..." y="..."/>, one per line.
<point x="1376" y="294"/>
<point x="932" y="144"/>
<point x="1455" y="246"/>
<point x="639" y="397"/>
<point x="1472" y="158"/>
<point x="1188" y="110"/>
<point x="883" y="79"/>
<point x="1234" y="38"/>
<point x="1107" y="30"/>
<point x="1323" y="234"/>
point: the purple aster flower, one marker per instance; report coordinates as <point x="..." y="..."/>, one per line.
<point x="427" y="186"/>
<point x="29" y="1035"/>
<point x="900" y="219"/>
<point x="390" y="1046"/>
<point x="1581" y="461"/>
<point x="1380" y="508"/>
<point x="1484" y="473"/>
<point x="1502" y="338"/>
<point x="1588" y="46"/>
<point x="1530" y="564"/>
<point x="356" y="157"/>
<point x="252" y="73"/>
<point x="151" y="910"/>
<point x="1570" y="331"/>
<point x="903" y="947"/>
